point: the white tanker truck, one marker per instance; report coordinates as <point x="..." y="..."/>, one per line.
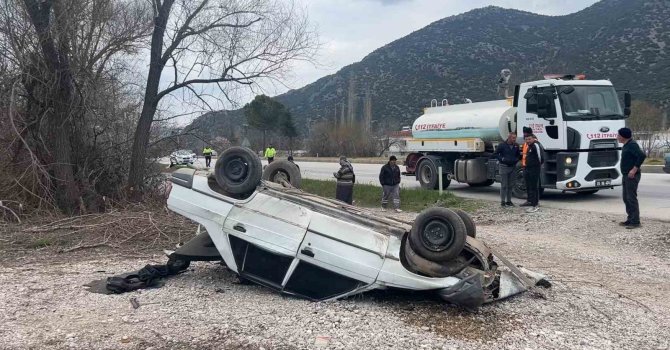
<point x="575" y="121"/>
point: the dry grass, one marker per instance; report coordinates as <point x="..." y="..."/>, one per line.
<point x="132" y="228"/>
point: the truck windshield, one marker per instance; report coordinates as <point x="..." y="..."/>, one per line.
<point x="591" y="102"/>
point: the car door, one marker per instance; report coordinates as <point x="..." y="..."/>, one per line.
<point x="265" y="234"/>
<point x="336" y="257"/>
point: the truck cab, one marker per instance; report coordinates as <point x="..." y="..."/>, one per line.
<point x="576" y="123"/>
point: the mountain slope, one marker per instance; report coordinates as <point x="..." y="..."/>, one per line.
<point x="626" y="41"/>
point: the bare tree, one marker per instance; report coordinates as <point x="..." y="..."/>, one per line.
<point x="646" y="121"/>
<point x="211" y="46"/>
<point x="65" y="74"/>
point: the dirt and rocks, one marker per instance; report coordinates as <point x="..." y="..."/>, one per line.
<point x="609" y="291"/>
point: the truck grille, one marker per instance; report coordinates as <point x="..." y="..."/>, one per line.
<point x="600" y="159"/>
<point x="602" y="174"/>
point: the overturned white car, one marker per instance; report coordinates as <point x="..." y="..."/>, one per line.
<point x="271" y="233"/>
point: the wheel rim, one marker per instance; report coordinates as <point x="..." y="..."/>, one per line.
<point x="426" y="174"/>
<point x="437" y="235"/>
<point x="236" y="169"/>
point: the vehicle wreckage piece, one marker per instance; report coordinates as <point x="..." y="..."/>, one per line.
<point x="322" y="249"/>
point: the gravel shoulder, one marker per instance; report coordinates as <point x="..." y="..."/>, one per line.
<point x="609" y="292"/>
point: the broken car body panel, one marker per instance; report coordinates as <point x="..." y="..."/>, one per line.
<point x="321" y="249"/>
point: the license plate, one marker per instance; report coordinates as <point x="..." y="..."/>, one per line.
<point x="604" y="183"/>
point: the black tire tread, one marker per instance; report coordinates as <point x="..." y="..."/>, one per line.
<point x="470" y="226"/>
<point x="292" y="170"/>
<point x="452" y="218"/>
<point x="254" y="171"/>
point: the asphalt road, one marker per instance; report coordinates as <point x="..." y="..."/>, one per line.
<point x="653" y="192"/>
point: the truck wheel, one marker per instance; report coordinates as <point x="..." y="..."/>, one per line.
<point x="432" y="269"/>
<point x="482" y="184"/>
<point x="238" y="170"/>
<point x="519" y="189"/>
<point x="470" y="226"/>
<point x="281" y="171"/>
<point x="427" y="175"/>
<point x="438" y="234"/>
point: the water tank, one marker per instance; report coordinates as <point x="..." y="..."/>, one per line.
<point x="489" y="121"/>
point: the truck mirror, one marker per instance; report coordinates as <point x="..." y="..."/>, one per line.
<point x="543" y="106"/>
<point x="626" y="100"/>
<point x="626" y="111"/>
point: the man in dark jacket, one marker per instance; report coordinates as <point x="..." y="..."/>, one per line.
<point x="531" y="172"/>
<point x="508" y="154"/>
<point x="632" y="158"/>
<point x="389" y="177"/>
<point x="345" y="181"/>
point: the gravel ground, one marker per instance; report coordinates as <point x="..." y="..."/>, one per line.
<point x="610" y="292"/>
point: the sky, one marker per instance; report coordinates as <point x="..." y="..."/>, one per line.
<point x="351" y="29"/>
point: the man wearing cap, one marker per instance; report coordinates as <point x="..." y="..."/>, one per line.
<point x="531" y="172"/>
<point x="631" y="161"/>
<point x="389" y="177"/>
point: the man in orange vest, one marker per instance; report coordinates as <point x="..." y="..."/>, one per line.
<point x="526" y="131"/>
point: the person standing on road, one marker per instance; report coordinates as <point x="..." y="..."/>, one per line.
<point x="508" y="154"/>
<point x="207" y="152"/>
<point x="389" y="177"/>
<point x="345" y="181"/>
<point x="531" y="173"/>
<point x="526" y="131"/>
<point x="270" y="153"/>
<point x="632" y="158"/>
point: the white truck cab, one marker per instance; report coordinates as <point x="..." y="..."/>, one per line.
<point x="576" y="122"/>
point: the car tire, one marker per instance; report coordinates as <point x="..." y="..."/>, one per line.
<point x="470" y="226"/>
<point x="238" y="171"/>
<point x="279" y="169"/>
<point x="422" y="265"/>
<point x="438" y="234"/>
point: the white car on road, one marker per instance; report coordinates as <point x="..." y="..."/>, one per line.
<point x="320" y="249"/>
<point x="182" y="157"/>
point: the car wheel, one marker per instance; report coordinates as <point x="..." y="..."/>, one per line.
<point x="281" y="171"/>
<point x="238" y="170"/>
<point x="438" y="234"/>
<point x="470" y="226"/>
<point x="175" y="265"/>
<point x="430" y="268"/>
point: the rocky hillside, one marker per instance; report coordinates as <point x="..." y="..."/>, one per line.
<point x="626" y="41"/>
